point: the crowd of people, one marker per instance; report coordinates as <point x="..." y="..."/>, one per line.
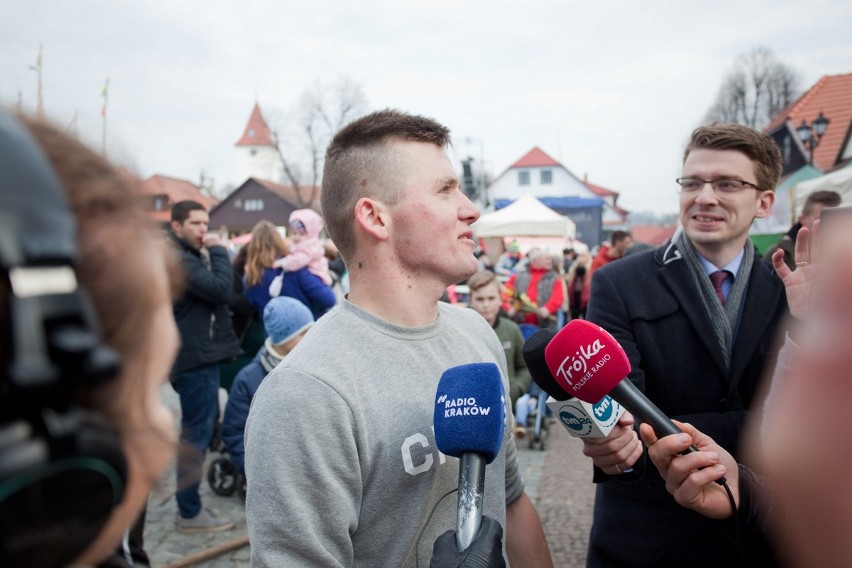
<point x="524" y="292"/>
<point x="329" y="418"/>
<point x="270" y="270"/>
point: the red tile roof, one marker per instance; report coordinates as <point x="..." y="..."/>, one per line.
<point x="652" y="234"/>
<point x="176" y="190"/>
<point x="533" y="158"/>
<point x="831" y="95"/>
<point x="599" y="190"/>
<point x="257" y="131"/>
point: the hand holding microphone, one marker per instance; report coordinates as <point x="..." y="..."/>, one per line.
<point x="486" y="550"/>
<point x="604" y="426"/>
<point x="688" y="476"/>
<point x="469" y="422"/>
<point x="587" y="362"/>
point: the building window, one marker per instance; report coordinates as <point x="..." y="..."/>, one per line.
<point x="253" y="205"/>
<point x="523" y="177"/>
<point x="546" y="177"/>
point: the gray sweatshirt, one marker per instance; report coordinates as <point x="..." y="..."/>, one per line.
<point x="341" y="460"/>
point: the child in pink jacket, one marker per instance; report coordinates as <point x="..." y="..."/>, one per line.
<point x="306" y="251"/>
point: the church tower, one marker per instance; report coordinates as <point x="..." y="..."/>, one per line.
<point x="257" y="154"/>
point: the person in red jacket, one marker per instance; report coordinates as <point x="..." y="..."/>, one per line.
<point x="621" y="241"/>
<point x="536" y="292"/>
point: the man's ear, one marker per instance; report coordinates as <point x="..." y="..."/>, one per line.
<point x="175" y="225"/>
<point x="372" y="217"/>
<point x="764" y="204"/>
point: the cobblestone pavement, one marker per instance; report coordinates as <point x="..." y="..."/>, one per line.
<point x="558" y="480"/>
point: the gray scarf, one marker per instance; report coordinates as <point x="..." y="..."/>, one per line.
<point x="725" y="317"/>
<point x="268" y="357"/>
<point x="205" y="258"/>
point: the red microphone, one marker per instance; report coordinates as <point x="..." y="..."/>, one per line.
<point x="586" y="360"/>
<point x="589" y="363"/>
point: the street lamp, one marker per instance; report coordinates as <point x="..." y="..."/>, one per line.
<point x="810" y="134"/>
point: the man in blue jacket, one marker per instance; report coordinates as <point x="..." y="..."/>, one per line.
<point x="207" y="339"/>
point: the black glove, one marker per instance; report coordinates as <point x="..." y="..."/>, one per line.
<point x="486" y="550"/>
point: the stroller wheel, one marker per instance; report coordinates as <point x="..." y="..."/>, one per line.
<point x="222" y="476"/>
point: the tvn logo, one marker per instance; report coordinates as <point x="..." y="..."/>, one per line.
<point x="462" y="407"/>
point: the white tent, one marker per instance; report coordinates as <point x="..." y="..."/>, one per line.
<point x="526" y="216"/>
<point x="839" y="181"/>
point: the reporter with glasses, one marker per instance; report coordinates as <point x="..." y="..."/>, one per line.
<point x="698" y="318"/>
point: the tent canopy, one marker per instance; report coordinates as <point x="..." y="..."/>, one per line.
<point x="527" y="216"/>
<point x="839" y="181"/>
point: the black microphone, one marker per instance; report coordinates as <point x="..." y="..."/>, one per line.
<point x="534" y="348"/>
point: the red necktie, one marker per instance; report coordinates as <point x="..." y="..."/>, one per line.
<point x="717" y="278"/>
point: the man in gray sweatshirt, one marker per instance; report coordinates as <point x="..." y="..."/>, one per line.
<point x="341" y="460"/>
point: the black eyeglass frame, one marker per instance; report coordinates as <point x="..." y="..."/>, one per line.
<point x="714" y="184"/>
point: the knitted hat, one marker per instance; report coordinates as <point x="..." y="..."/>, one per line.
<point x="534" y="253"/>
<point x="284" y="318"/>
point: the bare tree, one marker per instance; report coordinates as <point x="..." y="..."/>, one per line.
<point x="757" y="87"/>
<point x="304" y="133"/>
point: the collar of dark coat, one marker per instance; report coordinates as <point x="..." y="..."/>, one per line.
<point x="183" y="245"/>
<point x="765" y="291"/>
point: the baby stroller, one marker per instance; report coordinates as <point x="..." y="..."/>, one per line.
<point x="535" y="421"/>
<point x="537" y="426"/>
<point x="223" y="476"/>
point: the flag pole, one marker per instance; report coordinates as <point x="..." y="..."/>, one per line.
<point x="105" y="95"/>
<point x="72" y="126"/>
<point x="39" y="95"/>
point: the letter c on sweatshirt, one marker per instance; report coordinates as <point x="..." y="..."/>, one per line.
<point x="420" y="440"/>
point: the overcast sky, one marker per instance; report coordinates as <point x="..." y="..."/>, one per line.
<point x="611" y="89"/>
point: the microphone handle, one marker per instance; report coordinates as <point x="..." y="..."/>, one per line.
<point x="470" y="498"/>
<point x="635" y="401"/>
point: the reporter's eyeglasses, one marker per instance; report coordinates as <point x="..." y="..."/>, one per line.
<point x="690" y="185"/>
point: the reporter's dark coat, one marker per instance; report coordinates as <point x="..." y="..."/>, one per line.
<point x="202" y="313"/>
<point x="649" y="303"/>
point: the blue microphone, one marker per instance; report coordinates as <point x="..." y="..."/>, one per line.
<point x="469" y="421"/>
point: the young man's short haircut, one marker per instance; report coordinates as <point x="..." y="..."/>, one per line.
<point x="825" y="198"/>
<point x="482" y="279"/>
<point x="618" y="236"/>
<point x="759" y="148"/>
<point x="181" y="210"/>
<point x="360" y="162"/>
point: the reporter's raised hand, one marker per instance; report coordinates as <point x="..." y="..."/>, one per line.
<point x="486" y="550"/>
<point x="798" y="282"/>
<point x="690" y="477"/>
<point x="617" y="452"/>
